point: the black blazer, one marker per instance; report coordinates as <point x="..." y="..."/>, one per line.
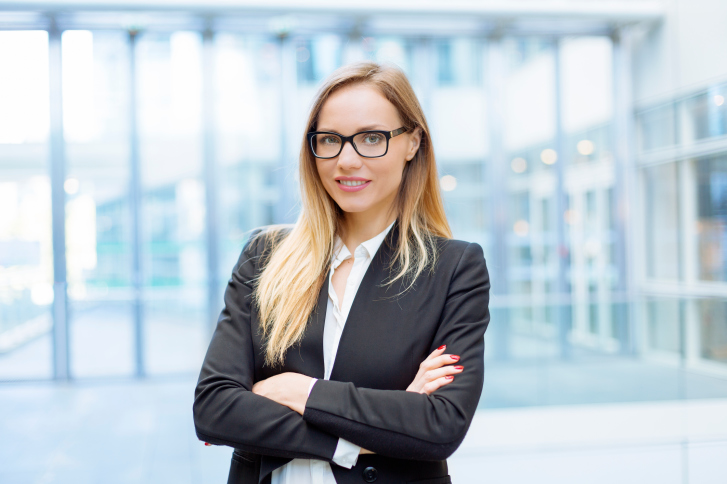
<point x="365" y="402"/>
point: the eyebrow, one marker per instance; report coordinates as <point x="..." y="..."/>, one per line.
<point x="358" y="130"/>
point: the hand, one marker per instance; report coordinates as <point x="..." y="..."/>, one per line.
<point x="289" y="389"/>
<point x="433" y="373"/>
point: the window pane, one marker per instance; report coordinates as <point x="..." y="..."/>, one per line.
<point x="98" y="232"/>
<point x="173" y="204"/>
<point x="712" y="218"/>
<point x="26" y="247"/>
<point x="662" y="219"/>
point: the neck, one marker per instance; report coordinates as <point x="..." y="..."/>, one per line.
<point x="361" y="226"/>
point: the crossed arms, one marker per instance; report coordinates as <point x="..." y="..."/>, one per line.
<point x="395" y="423"/>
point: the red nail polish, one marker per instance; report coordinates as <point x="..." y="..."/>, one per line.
<point x="449" y="377"/>
<point x="442" y="347"/>
<point x="459" y="367"/>
<point x="454" y="357"/>
<point x="207" y="443"/>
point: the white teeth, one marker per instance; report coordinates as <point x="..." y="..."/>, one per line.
<point x="351" y="183"/>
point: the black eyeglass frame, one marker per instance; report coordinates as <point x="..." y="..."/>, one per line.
<point x="387" y="134"/>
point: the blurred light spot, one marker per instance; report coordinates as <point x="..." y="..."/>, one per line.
<point x="519" y="165"/>
<point x="592" y="248"/>
<point x="585" y="147"/>
<point x="41" y="294"/>
<point x="71" y="186"/>
<point x="549" y="156"/>
<point x="77" y="291"/>
<point x="718" y="99"/>
<point x="572" y="217"/>
<point x="302" y="54"/>
<point x="448" y="183"/>
<point x="521" y="228"/>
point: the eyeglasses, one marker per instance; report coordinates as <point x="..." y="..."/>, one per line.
<point x="369" y="144"/>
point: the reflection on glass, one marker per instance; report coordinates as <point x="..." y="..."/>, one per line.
<point x="713" y="329"/>
<point x="26" y="248"/>
<point x="712" y="218"/>
<point x="706" y="114"/>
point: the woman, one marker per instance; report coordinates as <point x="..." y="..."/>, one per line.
<point x="367" y="278"/>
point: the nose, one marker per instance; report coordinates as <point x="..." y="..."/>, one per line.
<point x="348" y="158"/>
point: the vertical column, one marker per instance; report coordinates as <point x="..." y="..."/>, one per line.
<point x="135" y="194"/>
<point x="562" y="246"/>
<point x="285" y="210"/>
<point x="214" y="298"/>
<point x="498" y="196"/>
<point x="624" y="186"/>
<point x="61" y="357"/>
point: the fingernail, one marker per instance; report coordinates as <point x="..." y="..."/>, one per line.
<point x="442" y="347"/>
<point x="459" y="367"/>
<point x="207" y="443"/>
<point x="449" y="377"/>
<point x="454" y="357"/>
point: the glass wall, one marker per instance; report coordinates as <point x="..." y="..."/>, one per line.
<point x="684" y="213"/>
<point x="179" y="141"/>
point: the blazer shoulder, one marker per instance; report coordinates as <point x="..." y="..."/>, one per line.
<point x="258" y="241"/>
<point x="455" y="247"/>
<point x="261" y="238"/>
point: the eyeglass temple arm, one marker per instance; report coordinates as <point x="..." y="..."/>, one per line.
<point x="397" y="132"/>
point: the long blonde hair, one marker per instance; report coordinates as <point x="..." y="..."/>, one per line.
<point x="296" y="266"/>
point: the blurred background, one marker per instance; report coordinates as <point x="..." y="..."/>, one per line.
<point x="582" y="143"/>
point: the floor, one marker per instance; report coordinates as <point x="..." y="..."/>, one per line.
<point x="141" y="431"/>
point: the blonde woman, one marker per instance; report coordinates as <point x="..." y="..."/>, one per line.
<point x="351" y="346"/>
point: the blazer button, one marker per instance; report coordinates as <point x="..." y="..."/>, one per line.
<point x="369" y="474"/>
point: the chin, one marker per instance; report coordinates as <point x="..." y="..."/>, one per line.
<point x="348" y="207"/>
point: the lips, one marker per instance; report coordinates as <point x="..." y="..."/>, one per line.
<point x="352" y="185"/>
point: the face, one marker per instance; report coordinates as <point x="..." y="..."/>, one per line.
<point x="359" y="108"/>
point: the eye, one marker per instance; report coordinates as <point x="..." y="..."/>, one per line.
<point x="373" y="138"/>
<point x="329" y="140"/>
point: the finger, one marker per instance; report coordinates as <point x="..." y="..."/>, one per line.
<point x="432" y="375"/>
<point x="440" y="361"/>
<point x="436" y="352"/>
<point x="433" y="386"/>
<point x="427" y="363"/>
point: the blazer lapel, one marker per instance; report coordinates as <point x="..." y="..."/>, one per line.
<point x="368" y="292"/>
<point x="310" y="352"/>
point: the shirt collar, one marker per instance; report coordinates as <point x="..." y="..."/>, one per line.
<point x="341" y="252"/>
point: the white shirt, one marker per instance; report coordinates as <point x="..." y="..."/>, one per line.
<point x="313" y="471"/>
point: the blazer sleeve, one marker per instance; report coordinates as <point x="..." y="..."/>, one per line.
<point x="410" y="425"/>
<point x="226" y="411"/>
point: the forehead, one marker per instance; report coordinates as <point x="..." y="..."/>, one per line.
<point x="356" y="107"/>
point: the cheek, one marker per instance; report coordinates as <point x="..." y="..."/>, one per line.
<point x="325" y="175"/>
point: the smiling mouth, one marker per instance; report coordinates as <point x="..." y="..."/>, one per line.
<point x="352" y="183"/>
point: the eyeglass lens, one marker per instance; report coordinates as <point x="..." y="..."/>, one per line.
<point x="367" y="144"/>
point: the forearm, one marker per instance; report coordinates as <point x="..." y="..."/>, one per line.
<point x="394" y="423"/>
<point x="225" y="415"/>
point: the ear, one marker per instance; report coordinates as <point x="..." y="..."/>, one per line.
<point x="415" y="140"/>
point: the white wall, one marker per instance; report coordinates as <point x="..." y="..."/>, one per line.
<point x="688" y="51"/>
